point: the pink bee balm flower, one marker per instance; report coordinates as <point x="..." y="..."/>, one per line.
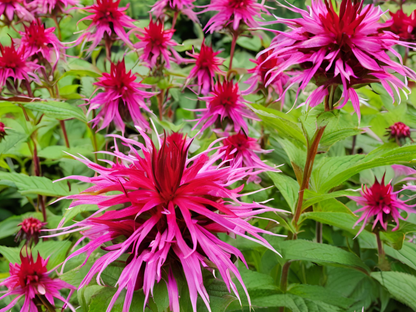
<point x="156" y="43"/>
<point x="241" y="151"/>
<point x="122" y="99"/>
<point x="381" y="204"/>
<point x="402" y="25"/>
<point x="107" y="22"/>
<point x="30" y="230"/>
<point x="10" y="7"/>
<point x="399" y="131"/>
<point x="174" y="208"/>
<point x="265" y="64"/>
<point x="178" y="6"/>
<point x="37" y="39"/>
<point x="2" y="131"/>
<point x="234" y="13"/>
<point x="206" y="66"/>
<point x="334" y="48"/>
<point x="31" y="281"/>
<point x="13" y="64"/>
<point x="54" y="7"/>
<point x="225" y="102"/>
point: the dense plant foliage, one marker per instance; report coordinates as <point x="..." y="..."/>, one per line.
<point x="225" y="155"/>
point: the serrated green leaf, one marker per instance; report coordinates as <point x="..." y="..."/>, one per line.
<point x="330" y="138"/>
<point x="35" y="185"/>
<point x="56" y="250"/>
<point x="253" y="43"/>
<point x="312" y="198"/>
<point x="58" y="110"/>
<point x="80" y="73"/>
<point x="400" y="285"/>
<point x="288" y="187"/>
<point x="74" y="211"/>
<point x="406" y="255"/>
<point x="12" y="254"/>
<point x="12" y="139"/>
<point x="319" y="253"/>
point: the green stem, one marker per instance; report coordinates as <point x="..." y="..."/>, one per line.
<point x="383" y="263"/>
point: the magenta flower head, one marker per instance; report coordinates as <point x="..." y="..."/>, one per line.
<point x="36" y="39"/>
<point x="265" y="64"/>
<point x="9" y="8"/>
<point x="346" y="47"/>
<point x="107" y="22"/>
<point x="174" y="208"/>
<point x="156" y="43"/>
<point x="121" y="100"/>
<point x="2" y="131"/>
<point x="399" y="132"/>
<point x="30" y="231"/>
<point x="381" y="204"/>
<point x="31" y="281"/>
<point x="206" y="66"/>
<point x="403" y="25"/>
<point x="54" y="7"/>
<point x="225" y="101"/>
<point x="234" y="13"/>
<point x="13" y="64"/>
<point x="178" y="6"/>
<point x="241" y="151"/>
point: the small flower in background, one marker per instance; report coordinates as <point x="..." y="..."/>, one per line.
<point x="241" y="151"/>
<point x="399" y="132"/>
<point x="30" y="231"/>
<point x="53" y="7"/>
<point x="14" y="64"/>
<point x="402" y="25"/>
<point x="381" y="204"/>
<point x="265" y="63"/>
<point x="9" y="8"/>
<point x="121" y="100"/>
<point x="2" y="131"/>
<point x="178" y="6"/>
<point x="156" y="43"/>
<point x="36" y="39"/>
<point x="234" y="13"/>
<point x="206" y="66"/>
<point x="31" y="281"/>
<point x="175" y="207"/>
<point x="225" y="101"/>
<point x="345" y="47"/>
<point x="107" y="22"/>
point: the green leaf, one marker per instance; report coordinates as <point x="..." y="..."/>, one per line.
<point x="161" y="296"/>
<point x="285" y="125"/>
<point x="35" y="185"/>
<point x="58" y="152"/>
<point x="218" y="293"/>
<point x="58" y="110"/>
<point x="11" y="139"/>
<point x="319" y="253"/>
<point x="406" y="255"/>
<point x="10" y="225"/>
<point x="319" y="293"/>
<point x="74" y="211"/>
<point x="332" y="137"/>
<point x="288" y="187"/>
<point x="312" y="198"/>
<point x="100" y="301"/>
<point x="81" y="73"/>
<point x="253" y="43"/>
<point x="332" y="171"/>
<point x="400" y="285"/>
<point x="12" y="254"/>
<point x="56" y="250"/>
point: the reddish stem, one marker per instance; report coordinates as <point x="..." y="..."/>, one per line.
<point x="160" y="103"/>
<point x="175" y="17"/>
<point x="62" y="123"/>
<point x="233" y="42"/>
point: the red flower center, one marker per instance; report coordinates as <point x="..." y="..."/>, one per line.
<point x="10" y="58"/>
<point x="239" y="4"/>
<point x="379" y="196"/>
<point x="226" y="95"/>
<point x="107" y="11"/>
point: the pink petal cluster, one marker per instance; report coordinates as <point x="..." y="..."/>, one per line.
<point x="121" y="100"/>
<point x="31" y="280"/>
<point x="206" y="66"/>
<point x="399" y="131"/>
<point x="156" y="43"/>
<point x="403" y="25"/>
<point x="14" y="64"/>
<point x="178" y="6"/>
<point x="107" y="21"/>
<point x="345" y="47"/>
<point x="261" y="74"/>
<point x="170" y="210"/>
<point x="36" y="39"/>
<point x="30" y="230"/>
<point x="381" y="204"/>
<point x="225" y="101"/>
<point x="233" y="13"/>
<point x="241" y="151"/>
<point x="53" y="7"/>
<point x="9" y="8"/>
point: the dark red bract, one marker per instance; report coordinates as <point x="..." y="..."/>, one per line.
<point x="30" y="230"/>
<point x="399" y="131"/>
